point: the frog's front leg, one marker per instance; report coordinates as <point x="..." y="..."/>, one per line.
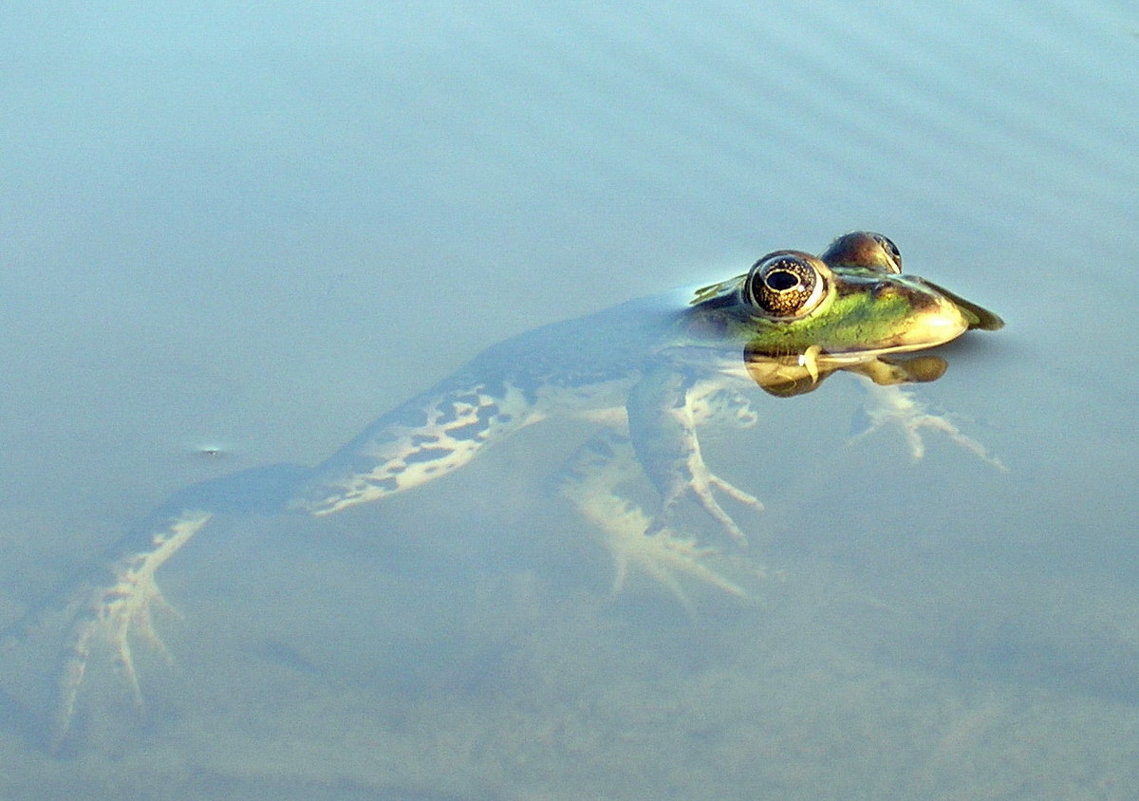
<point x="891" y="404"/>
<point x="662" y="427"/>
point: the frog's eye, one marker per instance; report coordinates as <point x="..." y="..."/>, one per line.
<point x="786" y="284"/>
<point x="864" y="250"/>
<point x="893" y="255"/>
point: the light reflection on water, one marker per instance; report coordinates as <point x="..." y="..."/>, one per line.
<point x="261" y="229"/>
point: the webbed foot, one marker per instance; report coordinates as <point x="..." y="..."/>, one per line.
<point x="699" y="486"/>
<point x="710" y="402"/>
<point x="106" y="620"/>
<point x="665" y="557"/>
<point x="108" y="609"/>
<point x="635" y="542"/>
<point x="897" y="406"/>
<point x="665" y="408"/>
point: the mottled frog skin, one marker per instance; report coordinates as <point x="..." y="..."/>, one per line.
<point x="648" y="371"/>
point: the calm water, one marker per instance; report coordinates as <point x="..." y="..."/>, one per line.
<point x="253" y="230"/>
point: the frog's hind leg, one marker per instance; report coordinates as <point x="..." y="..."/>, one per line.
<point x="590" y="482"/>
<point x="114" y="605"/>
<point x="422" y="440"/>
<point x="112" y="602"/>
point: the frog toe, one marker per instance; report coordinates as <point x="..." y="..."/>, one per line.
<point x="709" y="503"/>
<point x="893" y="405"/>
<point x="112" y="606"/>
<point x="105" y="621"/>
<point x="636" y="542"/>
<point x="702" y="489"/>
<point x="666" y="558"/>
<point x="624" y="530"/>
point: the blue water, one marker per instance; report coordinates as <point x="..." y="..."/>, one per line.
<point x="251" y="228"/>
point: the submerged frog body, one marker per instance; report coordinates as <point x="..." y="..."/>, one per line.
<point x="649" y="370"/>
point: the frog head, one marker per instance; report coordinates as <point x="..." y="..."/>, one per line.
<point x="801" y="317"/>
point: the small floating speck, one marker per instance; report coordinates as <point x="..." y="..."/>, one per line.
<point x="212" y="451"/>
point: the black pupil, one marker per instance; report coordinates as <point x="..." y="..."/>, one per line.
<point x="782" y="280"/>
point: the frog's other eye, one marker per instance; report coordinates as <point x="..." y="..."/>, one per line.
<point x="864" y="250"/>
<point x="786" y="284"/>
<point x="893" y="255"/>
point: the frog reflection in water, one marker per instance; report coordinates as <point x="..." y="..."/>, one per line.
<point x="650" y="371"/>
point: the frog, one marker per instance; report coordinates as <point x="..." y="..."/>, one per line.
<point x="647" y="373"/>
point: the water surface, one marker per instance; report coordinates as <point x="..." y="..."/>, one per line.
<point x="252" y="230"/>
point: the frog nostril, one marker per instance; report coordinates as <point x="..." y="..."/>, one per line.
<point x="883" y="289"/>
